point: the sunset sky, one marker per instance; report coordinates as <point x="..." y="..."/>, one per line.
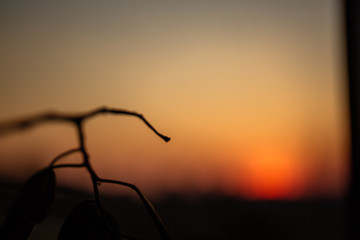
<point x="252" y="93"/>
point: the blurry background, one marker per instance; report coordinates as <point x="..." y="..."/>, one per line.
<point x="252" y="94"/>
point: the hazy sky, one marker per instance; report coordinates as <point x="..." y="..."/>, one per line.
<point x="251" y="92"/>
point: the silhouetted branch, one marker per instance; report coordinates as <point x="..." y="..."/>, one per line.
<point x="11" y="126"/>
<point x="149" y="207"/>
<point x="68" y="165"/>
<point x="52" y="116"/>
<point x="78" y="120"/>
<point x="64" y="154"/>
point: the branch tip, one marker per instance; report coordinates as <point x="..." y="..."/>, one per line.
<point x="165" y="138"/>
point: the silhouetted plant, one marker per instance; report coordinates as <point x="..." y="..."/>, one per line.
<point x="88" y="220"/>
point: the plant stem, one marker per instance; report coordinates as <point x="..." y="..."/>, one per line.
<point x="86" y="163"/>
<point x="64" y="154"/>
<point x="11" y="126"/>
<point x="149" y="207"/>
<point x="78" y="120"/>
<point x="68" y="165"/>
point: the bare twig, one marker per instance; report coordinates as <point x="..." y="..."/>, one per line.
<point x="78" y="120"/>
<point x="64" y="154"/>
<point x="149" y="207"/>
<point x="11" y="126"/>
<point x="93" y="175"/>
<point x="68" y="165"/>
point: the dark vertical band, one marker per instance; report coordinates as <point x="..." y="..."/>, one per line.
<point x="352" y="30"/>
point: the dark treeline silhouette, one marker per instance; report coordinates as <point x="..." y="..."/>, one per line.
<point x="207" y="217"/>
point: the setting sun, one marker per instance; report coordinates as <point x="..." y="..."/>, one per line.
<point x="245" y="90"/>
<point x="270" y="173"/>
<point x="274" y="174"/>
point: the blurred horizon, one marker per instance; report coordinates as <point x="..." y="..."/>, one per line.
<point x="252" y="93"/>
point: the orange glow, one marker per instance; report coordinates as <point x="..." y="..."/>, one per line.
<point x="272" y="173"/>
<point x="241" y="87"/>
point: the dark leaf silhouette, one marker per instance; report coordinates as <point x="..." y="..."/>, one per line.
<point x="85" y="222"/>
<point x="31" y="206"/>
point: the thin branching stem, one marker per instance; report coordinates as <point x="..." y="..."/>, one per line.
<point x="93" y="175"/>
<point x="67" y="165"/>
<point x="78" y="120"/>
<point x="149" y="207"/>
<point x="11" y="126"/>
<point x="64" y="154"/>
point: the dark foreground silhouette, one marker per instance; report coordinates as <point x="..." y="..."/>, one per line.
<point x="203" y="217"/>
<point x="35" y="198"/>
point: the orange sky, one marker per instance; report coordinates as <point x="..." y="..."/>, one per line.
<point x="251" y="92"/>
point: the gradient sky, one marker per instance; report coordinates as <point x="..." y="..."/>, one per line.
<point x="251" y="92"/>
